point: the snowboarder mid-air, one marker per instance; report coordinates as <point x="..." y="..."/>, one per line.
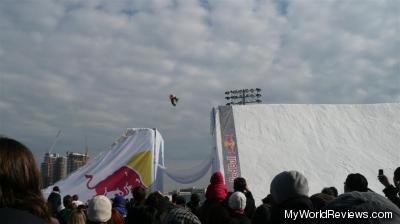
<point x="173" y="99"/>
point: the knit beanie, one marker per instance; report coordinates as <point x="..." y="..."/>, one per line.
<point x="99" y="209"/>
<point x="287" y="185"/>
<point x="237" y="201"/>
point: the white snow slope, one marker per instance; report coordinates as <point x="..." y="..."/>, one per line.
<point x="324" y="142"/>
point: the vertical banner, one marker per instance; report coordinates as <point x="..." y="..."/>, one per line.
<point x="229" y="147"/>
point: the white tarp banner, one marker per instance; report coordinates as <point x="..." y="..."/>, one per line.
<point x="324" y="142"/>
<point x="133" y="160"/>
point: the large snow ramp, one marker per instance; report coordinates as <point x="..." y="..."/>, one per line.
<point x="324" y="142"/>
<point x="134" y="159"/>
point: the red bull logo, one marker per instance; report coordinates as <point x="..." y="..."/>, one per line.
<point x="137" y="173"/>
<point x="229" y="143"/>
<point x="122" y="180"/>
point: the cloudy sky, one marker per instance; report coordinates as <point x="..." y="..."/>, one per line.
<point x="95" y="67"/>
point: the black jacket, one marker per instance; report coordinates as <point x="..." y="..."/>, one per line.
<point x="392" y="194"/>
<point x="54" y="201"/>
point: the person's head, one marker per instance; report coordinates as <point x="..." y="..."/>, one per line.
<point x="67" y="201"/>
<point x="139" y="194"/>
<point x="355" y="182"/>
<point x="75" y="197"/>
<point x="396" y="177"/>
<point x="239" y="184"/>
<point x="195" y="198"/>
<point x="237" y="202"/>
<point x="56" y="189"/>
<point x="288" y="185"/>
<point x="77" y="217"/>
<point x="157" y="201"/>
<point x="20" y="180"/>
<point x="180" y="200"/>
<point x="330" y="191"/>
<point x="99" y="209"/>
<point x="320" y="200"/>
<point x="217" y="178"/>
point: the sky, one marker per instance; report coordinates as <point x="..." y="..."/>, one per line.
<point x="93" y="68"/>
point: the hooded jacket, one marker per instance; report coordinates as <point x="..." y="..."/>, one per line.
<point x="217" y="190"/>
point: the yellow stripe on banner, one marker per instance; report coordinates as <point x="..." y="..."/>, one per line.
<point x="142" y="163"/>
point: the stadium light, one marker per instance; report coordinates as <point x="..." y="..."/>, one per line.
<point x="243" y="96"/>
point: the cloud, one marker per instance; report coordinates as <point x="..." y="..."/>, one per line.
<point x="95" y="68"/>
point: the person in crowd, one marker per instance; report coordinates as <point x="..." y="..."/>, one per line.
<point x="330" y="191"/>
<point x="263" y="212"/>
<point x="320" y="200"/>
<point x="119" y="205"/>
<point x="99" y="210"/>
<point x="21" y="199"/>
<point x="139" y="212"/>
<point x="356" y="182"/>
<point x="289" y="191"/>
<point x="237" y="205"/>
<point x="77" y="217"/>
<point x="181" y="214"/>
<point x="139" y="196"/>
<point x="194" y="204"/>
<point x="216" y="190"/>
<point x="390" y="191"/>
<point x="75" y="201"/>
<point x="213" y="211"/>
<point x="65" y="214"/>
<point x="160" y="204"/>
<point x="364" y="203"/>
<point x="240" y="184"/>
<point x="54" y="201"/>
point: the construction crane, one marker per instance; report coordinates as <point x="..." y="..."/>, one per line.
<point x="55" y="141"/>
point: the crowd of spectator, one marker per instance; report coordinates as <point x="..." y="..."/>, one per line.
<point x="21" y="200"/>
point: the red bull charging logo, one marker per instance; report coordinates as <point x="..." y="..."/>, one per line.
<point x="137" y="173"/>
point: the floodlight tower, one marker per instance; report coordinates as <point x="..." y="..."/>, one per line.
<point x="243" y="96"/>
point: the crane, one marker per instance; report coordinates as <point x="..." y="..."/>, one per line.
<point x="55" y="141"/>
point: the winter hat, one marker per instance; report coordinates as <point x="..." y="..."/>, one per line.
<point x="99" y="209"/>
<point x="237" y="201"/>
<point x="356" y="201"/>
<point x="288" y="184"/>
<point x="356" y="182"/>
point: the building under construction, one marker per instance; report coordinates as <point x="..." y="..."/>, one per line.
<point x="56" y="167"/>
